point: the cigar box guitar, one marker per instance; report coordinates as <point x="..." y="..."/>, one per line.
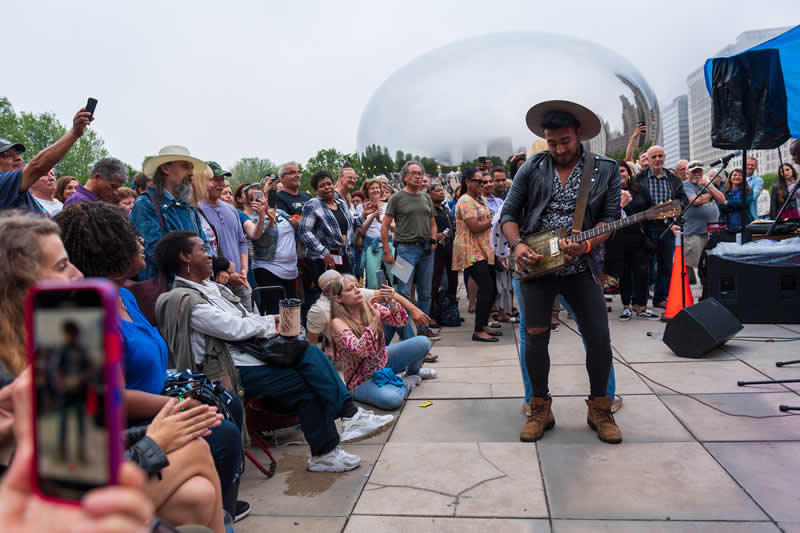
<point x="545" y="243"/>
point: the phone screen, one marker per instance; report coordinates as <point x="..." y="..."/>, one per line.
<point x="381" y="277"/>
<point x="72" y="447"/>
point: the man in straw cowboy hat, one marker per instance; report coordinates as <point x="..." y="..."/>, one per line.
<point x="166" y="206"/>
<point x="543" y="196"/>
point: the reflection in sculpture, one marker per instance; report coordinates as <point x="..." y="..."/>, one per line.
<point x="469" y="98"/>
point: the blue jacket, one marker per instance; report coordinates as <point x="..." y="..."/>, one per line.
<point x="177" y="214"/>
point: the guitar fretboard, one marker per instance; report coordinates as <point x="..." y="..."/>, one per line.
<point x="617" y="224"/>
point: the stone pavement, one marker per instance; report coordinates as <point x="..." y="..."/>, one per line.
<point x="458" y="465"/>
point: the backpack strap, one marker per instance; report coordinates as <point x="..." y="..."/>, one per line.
<point x="158" y="212"/>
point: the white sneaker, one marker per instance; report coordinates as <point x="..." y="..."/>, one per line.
<point x="427" y="373"/>
<point x="363" y="425"/>
<point x="336" y="460"/>
<point x="412" y="381"/>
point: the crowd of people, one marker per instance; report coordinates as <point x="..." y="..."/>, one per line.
<point x="187" y="252"/>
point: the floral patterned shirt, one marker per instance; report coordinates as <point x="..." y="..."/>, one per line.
<point x="560" y="212"/>
<point x="351" y="350"/>
<point x="468" y="247"/>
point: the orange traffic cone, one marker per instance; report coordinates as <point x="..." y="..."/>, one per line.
<point x="674" y="300"/>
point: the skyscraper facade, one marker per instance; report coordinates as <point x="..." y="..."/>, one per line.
<point x="699" y="104"/>
<point x="676" y="130"/>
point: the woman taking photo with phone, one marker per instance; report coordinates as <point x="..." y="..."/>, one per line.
<point x="357" y="329"/>
<point x="472" y="249"/>
<point x="187" y="488"/>
<point x="372" y="253"/>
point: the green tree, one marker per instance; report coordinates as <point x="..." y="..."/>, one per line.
<point x="37" y="132"/>
<point x="376" y="160"/>
<point x="251" y="169"/>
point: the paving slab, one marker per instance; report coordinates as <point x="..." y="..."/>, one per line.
<point x="451" y="356"/>
<point x="642" y="418"/>
<point x="708" y="424"/>
<point x="407" y="524"/>
<point x="572" y="380"/>
<point x="790" y="527"/>
<point x="290" y="524"/>
<point x="767" y="471"/>
<point x="706" y="377"/>
<point x="294" y="491"/>
<point x="641" y="481"/>
<point x="672" y="526"/>
<point x="493" y="479"/>
<point x="436" y="389"/>
<point x="472" y="420"/>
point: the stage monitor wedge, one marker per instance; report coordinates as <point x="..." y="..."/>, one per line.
<point x="699" y="328"/>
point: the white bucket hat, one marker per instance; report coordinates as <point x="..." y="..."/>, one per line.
<point x="168" y="154"/>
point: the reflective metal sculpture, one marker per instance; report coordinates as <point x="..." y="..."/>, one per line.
<point x="469" y="98"/>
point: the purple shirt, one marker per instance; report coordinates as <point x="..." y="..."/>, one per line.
<point x="82" y="194"/>
<point x="230" y="236"/>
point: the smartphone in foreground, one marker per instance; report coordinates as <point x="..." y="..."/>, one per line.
<point x="258" y="194"/>
<point x="381" y="277"/>
<point x="73" y="347"/>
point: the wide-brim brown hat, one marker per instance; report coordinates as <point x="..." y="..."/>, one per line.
<point x="590" y="122"/>
<point x="171" y="153"/>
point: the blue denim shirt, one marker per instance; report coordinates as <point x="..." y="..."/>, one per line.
<point x="264" y="248"/>
<point x="178" y="215"/>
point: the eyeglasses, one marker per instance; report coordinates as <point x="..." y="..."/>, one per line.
<point x="414" y="173"/>
<point x="10" y="153"/>
<point x="484" y="182"/>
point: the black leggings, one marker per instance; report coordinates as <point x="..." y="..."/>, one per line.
<point x="265" y="278"/>
<point x="484" y="276"/>
<point x="635" y="273"/>
<point x="586" y="298"/>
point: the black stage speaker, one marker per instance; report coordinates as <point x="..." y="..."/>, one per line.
<point x="699" y="328"/>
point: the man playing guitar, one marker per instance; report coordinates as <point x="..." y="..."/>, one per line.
<point x="543" y="196"/>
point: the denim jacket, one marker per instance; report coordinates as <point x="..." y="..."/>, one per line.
<point x="533" y="187"/>
<point x="177" y="215"/>
<point x="265" y="246"/>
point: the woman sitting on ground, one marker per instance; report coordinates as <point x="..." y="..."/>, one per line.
<point x="357" y="329"/>
<point x="218" y="321"/>
<point x="187" y="490"/>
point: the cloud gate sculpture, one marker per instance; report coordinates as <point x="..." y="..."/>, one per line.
<point x="469" y="98"/>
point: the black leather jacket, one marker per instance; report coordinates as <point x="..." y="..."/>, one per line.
<point x="533" y="187"/>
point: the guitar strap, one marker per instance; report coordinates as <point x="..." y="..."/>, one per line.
<point x="583" y="190"/>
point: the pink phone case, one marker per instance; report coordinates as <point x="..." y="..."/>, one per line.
<point x="111" y="371"/>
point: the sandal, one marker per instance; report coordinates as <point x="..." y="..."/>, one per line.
<point x="431" y="358"/>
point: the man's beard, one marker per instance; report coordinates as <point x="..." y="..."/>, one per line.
<point x="184" y="192"/>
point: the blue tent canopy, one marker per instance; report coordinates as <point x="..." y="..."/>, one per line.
<point x="788" y="46"/>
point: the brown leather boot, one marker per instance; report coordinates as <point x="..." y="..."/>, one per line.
<point x="540" y="420"/>
<point x="601" y="420"/>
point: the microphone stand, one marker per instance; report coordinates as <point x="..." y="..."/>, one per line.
<point x="680" y="220"/>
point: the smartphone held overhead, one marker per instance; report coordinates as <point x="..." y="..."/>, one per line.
<point x="73" y="346"/>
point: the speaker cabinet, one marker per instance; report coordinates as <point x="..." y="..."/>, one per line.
<point x="699" y="328"/>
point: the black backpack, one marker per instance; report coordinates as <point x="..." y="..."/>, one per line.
<point x="448" y="311"/>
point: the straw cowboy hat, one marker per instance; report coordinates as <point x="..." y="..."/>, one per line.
<point x="171" y="153"/>
<point x="591" y="124"/>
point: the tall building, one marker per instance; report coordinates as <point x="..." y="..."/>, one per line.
<point x="676" y="131"/>
<point x="700" y="110"/>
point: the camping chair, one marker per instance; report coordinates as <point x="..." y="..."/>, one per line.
<point x="265" y="417"/>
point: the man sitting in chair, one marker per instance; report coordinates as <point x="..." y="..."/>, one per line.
<point x="200" y="329"/>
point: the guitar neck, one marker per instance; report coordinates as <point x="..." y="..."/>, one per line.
<point x="613" y="226"/>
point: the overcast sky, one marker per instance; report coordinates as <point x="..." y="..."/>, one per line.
<point x="283" y="79"/>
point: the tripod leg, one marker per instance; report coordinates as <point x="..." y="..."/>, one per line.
<point x="785" y="408"/>
<point x="767" y="382"/>
<point x="784" y="363"/>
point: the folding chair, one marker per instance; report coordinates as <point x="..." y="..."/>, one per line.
<point x="265" y="417"/>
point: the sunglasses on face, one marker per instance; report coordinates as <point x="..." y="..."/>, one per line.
<point x="483" y="182"/>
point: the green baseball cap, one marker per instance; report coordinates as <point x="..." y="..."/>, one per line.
<point x="217" y="169"/>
